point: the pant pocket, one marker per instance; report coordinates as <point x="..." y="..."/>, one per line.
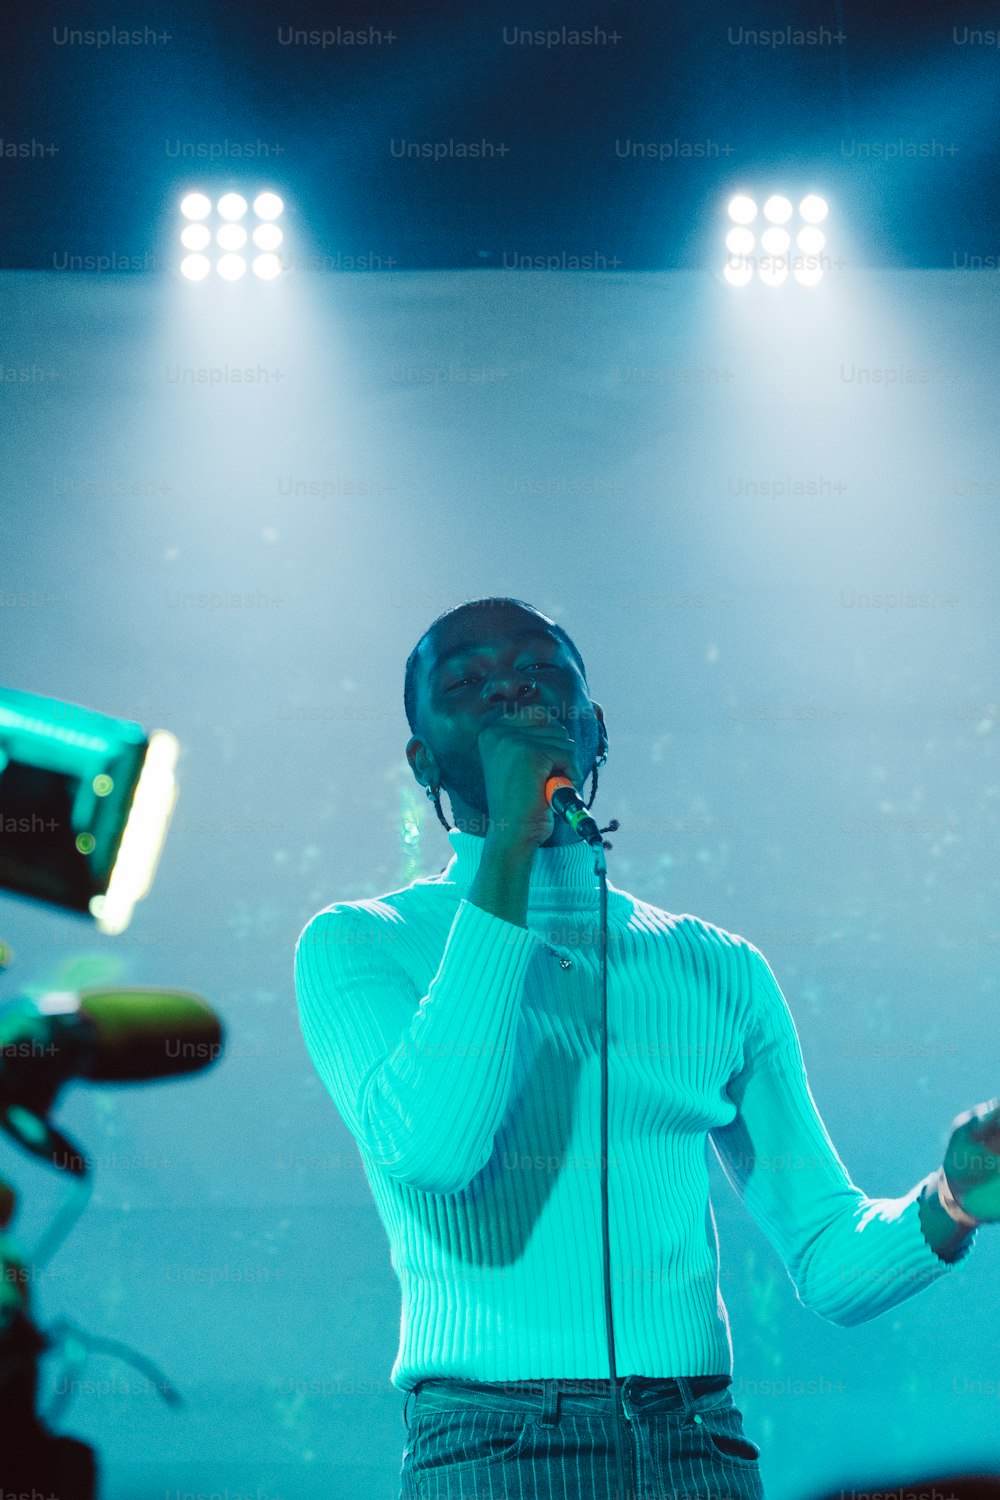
<point x="722" y="1426"/>
<point x="452" y="1440"/>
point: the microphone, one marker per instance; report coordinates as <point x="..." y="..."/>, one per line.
<point x="564" y="799"/>
<point x="97" y="1035"/>
<point x="146" y="1033"/>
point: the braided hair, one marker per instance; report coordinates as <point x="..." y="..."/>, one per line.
<point x="436" y="794"/>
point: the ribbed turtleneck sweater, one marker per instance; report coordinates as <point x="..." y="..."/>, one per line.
<point x="464" y="1055"/>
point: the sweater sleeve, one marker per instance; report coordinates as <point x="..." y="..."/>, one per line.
<point x="421" y="1080"/>
<point x="850" y="1257"/>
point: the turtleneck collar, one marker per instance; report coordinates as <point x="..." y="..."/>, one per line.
<point x="561" y="876"/>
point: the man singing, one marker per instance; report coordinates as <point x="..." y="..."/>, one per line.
<point x="456" y="1024"/>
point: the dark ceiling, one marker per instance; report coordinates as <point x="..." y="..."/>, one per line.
<point x="891" y="110"/>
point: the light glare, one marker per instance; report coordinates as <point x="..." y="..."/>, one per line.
<point x="195" y="236"/>
<point x="777" y="209"/>
<point x="775" y="241"/>
<point x="232" y="236"/>
<point x="231" y="267"/>
<point x="810" y="240"/>
<point x="742" y="210"/>
<point x="267" y="267"/>
<point x="813" y="208"/>
<point x="740" y="241"/>
<point x="195" y="206"/>
<point x="737" y="272"/>
<point x="232" y="206"/>
<point x="267" y="205"/>
<point x="774" y="272"/>
<point x="808" y="275"/>
<point x="195" y="267"/>
<point x="267" y="236"/>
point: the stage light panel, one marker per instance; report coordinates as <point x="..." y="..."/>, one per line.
<point x="776" y="257"/>
<point x="221" y="224"/>
<point x="102" y="787"/>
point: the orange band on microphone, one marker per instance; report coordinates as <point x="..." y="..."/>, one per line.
<point x="554" y="783"/>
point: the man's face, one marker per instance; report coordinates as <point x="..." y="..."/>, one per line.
<point x="472" y="667"/>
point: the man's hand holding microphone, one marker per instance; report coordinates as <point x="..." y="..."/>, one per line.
<point x="520" y="750"/>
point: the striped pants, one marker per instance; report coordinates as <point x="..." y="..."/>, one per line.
<point x="554" y="1440"/>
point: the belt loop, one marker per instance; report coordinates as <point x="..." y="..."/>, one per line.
<point x="411" y="1392"/>
<point x="550" y="1403"/>
<point x="687" y="1396"/>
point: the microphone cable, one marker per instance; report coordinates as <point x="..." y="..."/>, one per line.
<point x="565" y="800"/>
<point x="621" y="1464"/>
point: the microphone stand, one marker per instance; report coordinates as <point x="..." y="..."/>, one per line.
<point x="35" y="1459"/>
<point x="622" y="1467"/>
<point x="564" y="799"/>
